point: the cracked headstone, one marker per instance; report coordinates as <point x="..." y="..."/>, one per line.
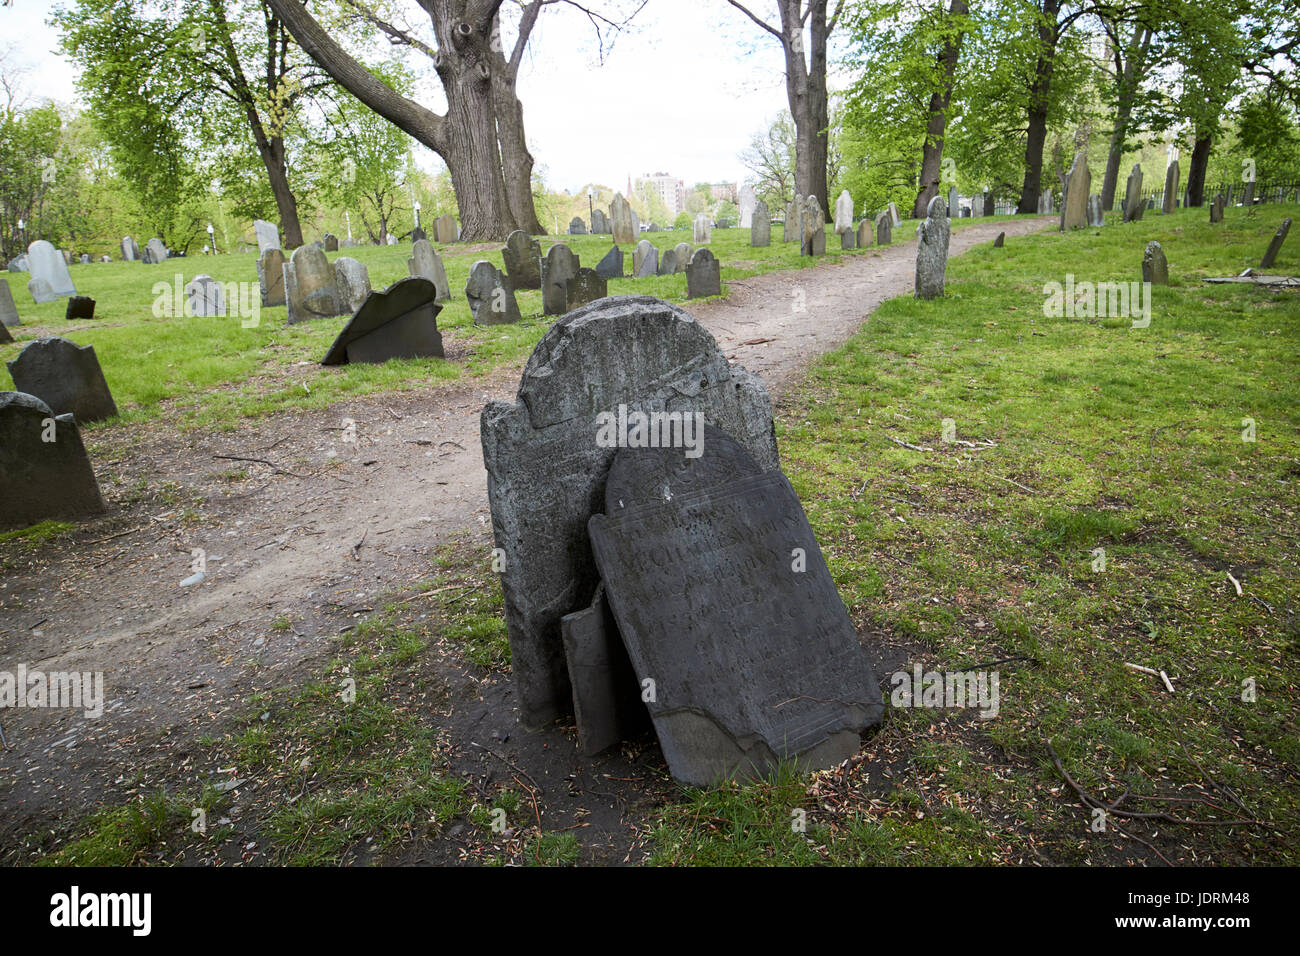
<point x="65" y="376"/>
<point x="399" y="323"/>
<point x="611" y="266"/>
<point x="46" y="469"/>
<point x="490" y="297"/>
<point x="1155" y="268"/>
<point x="522" y="255"/>
<point x="560" y="265"/>
<point x="932" y="250"/>
<point x="813" y="242"/>
<point x="645" y="259"/>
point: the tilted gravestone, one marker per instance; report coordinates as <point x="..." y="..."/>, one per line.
<point x="310" y="288"/>
<point x="155" y="252"/>
<point x="130" y="251"/>
<point x="268" y="235"/>
<point x="760" y="225"/>
<point x="1216" y="208"/>
<point x="45" y="262"/>
<point x="682" y="252"/>
<point x="352" y="282"/>
<point x="80" y="307"/>
<point x="546" y="467"/>
<point x="8" y="311"/>
<point x="932" y="250"/>
<point x="45" y="466"/>
<point x="754" y="664"/>
<point x="1074" y="208"/>
<point x="611" y="266"/>
<point x="623" y="220"/>
<point x="1155" y="268"/>
<point x="399" y="323"/>
<point x="425" y="262"/>
<point x="270" y="277"/>
<point x="701" y="228"/>
<point x="577" y="227"/>
<point x="1133" y="205"/>
<point x="703" y="275"/>
<point x="884" y="230"/>
<point x="791" y="229"/>
<point x="583" y="287"/>
<point x="522" y="256"/>
<point x="668" y="264"/>
<point x="895" y="220"/>
<point x="41" y="291"/>
<point x="446" y="229"/>
<point x="65" y="376"/>
<point x="560" y="265"/>
<point x="844" y="212"/>
<point x="866" y="237"/>
<point x="1170" y="201"/>
<point x="645" y="260"/>
<point x="1275" y="246"/>
<point x="331" y="242"/>
<point x="205" y="296"/>
<point x="997" y="243"/>
<point x="1095" y="215"/>
<point x="490" y="296"/>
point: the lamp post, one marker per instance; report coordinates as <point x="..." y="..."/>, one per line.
<point x="22" y="229"/>
<point x="591" y="211"/>
<point x="417" y="214"/>
<point x="212" y="238"/>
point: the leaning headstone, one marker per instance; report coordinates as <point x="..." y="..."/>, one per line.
<point x="866" y="238"/>
<point x="270" y="277"/>
<point x="425" y="262"/>
<point x="47" y="473"/>
<point x="585" y="286"/>
<point x="606" y="697"/>
<point x="997" y="243"/>
<point x="703" y="275"/>
<point x="884" y="230"/>
<point x="352" y="281"/>
<point x="1155" y="268"/>
<point x="268" y="235"/>
<point x="45" y="262"/>
<point x="1095" y="216"/>
<point x="645" y="260"/>
<point x="623" y="220"/>
<point x="1216" y="208"/>
<point x="66" y="377"/>
<point x="547" y="467"/>
<point x="446" y="229"/>
<point x="130" y="251"/>
<point x="399" y="323"/>
<point x="205" y="296"/>
<point x="668" y="263"/>
<point x="560" y="265"/>
<point x="155" y="252"/>
<point x="490" y="297"/>
<point x="310" y="287"/>
<point x="932" y="250"/>
<point x="611" y="266"/>
<point x="748" y="203"/>
<point x="844" y="212"/>
<point x="577" y="227"/>
<point x="790" y="229"/>
<point x="8" y="311"/>
<point x="41" y="291"/>
<point x="1275" y="246"/>
<point x="522" y="256"/>
<point x="1074" y="207"/>
<point x="682" y="253"/>
<point x="701" y="228"/>
<point x="1170" y="202"/>
<point x="331" y="242"/>
<point x="760" y="225"/>
<point x="754" y="667"/>
<point x="895" y="220"/>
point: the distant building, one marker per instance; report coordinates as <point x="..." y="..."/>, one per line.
<point x="671" y="190"/>
<point x="723" y="191"/>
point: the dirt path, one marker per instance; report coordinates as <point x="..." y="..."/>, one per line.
<point x="313" y="538"/>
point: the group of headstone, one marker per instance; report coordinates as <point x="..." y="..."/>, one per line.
<point x="738" y="662"/>
<point x="566" y="284"/>
<point x="315" y="289"/>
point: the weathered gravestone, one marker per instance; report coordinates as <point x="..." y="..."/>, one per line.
<point x="205" y="296"/>
<point x="866" y="237"/>
<point x="848" y="239"/>
<point x="997" y="243"/>
<point x="1046" y="202"/>
<point x="682" y="252"/>
<point x="80" y="307"/>
<point x="45" y="262"/>
<point x="8" y="311"/>
<point x="645" y="260"/>
<point x="668" y="264"/>
<point x="1095" y="215"/>
<point x="701" y="228"/>
<point x="155" y="252"/>
<point x="792" y="229"/>
<point x="1275" y="246"/>
<point x="844" y="212"/>
<point x="130" y="251"/>
<point x="270" y="277"/>
<point x="560" y="265"/>
<point x="66" y="377"/>
<point x="990" y="209"/>
<point x="611" y="266"/>
<point x="268" y="235"/>
<point x="1155" y="268"/>
<point x="623" y="220"/>
<point x="1170" y="201"/>
<point x="310" y="288"/>
<point x="703" y="275"/>
<point x="352" y="282"/>
<point x="490" y="296"/>
<point x="577" y="227"/>
<point x="748" y="203"/>
<point x="585" y="286"/>
<point x="547" y="469"/>
<point x="895" y="220"/>
<point x="425" y="262"/>
<point x="760" y="225"/>
<point x="1248" y="194"/>
<point x="41" y="291"/>
<point x="47" y="473"/>
<point x="1074" y="207"/>
<point x="954" y="202"/>
<point x="522" y="256"/>
<point x="932" y="250"/>
<point x="884" y="230"/>
<point x="754" y="664"/>
<point x="599" y="223"/>
<point x="1216" y="208"/>
<point x="400" y="322"/>
<point x="446" y="229"/>
<point x="331" y="242"/>
<point x="813" y="242"/>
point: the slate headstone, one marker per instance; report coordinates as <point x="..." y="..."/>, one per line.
<point x="399" y="323"/>
<point x="80" y="307"/>
<point x="45" y="262"/>
<point x="8" y="311"/>
<point x="490" y="296"/>
<point x="1074" y="208"/>
<point x="418" y="233"/>
<point x="270" y="277"/>
<point x="866" y="237"/>
<point x="884" y="230"/>
<point x="585" y="286"/>
<point x="310" y="288"/>
<point x="331" y="242"/>
<point x="5" y="336"/>
<point x="205" y="296"/>
<point x="560" y="265"/>
<point x="577" y="227"/>
<point x="268" y="236"/>
<point x="989" y="208"/>
<point x="522" y="256"/>
<point x="547" y="470"/>
<point x="998" y="242"/>
<point x="682" y="252"/>
<point x="645" y="259"/>
<point x="623" y="221"/>
<point x="47" y="473"/>
<point x="1275" y="245"/>
<point x="1170" y="202"/>
<point x="425" y="262"/>
<point x="668" y="264"/>
<point x="848" y="239"/>
<point x="351" y="283"/>
<point x="760" y="225"/>
<point x="1155" y="268"/>
<point x="932" y="250"/>
<point x="703" y="275"/>
<point x="65" y="376"/>
<point x="611" y="266"/>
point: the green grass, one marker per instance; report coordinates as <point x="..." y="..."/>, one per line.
<point x="37" y="534"/>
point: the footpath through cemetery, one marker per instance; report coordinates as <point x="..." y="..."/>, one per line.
<point x="867" y="509"/>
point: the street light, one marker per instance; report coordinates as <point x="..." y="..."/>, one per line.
<point x="417" y="214"/>
<point x="591" y="210"/>
<point x="212" y="237"/>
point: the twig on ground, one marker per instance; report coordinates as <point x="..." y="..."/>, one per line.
<point x="908" y="445"/>
<point x="1016" y="483"/>
<point x="1235" y="583"/>
<point x="260" y="461"/>
<point x="505" y="761"/>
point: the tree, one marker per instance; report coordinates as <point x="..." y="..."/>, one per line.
<point x="1132" y="52"/>
<point x="771" y="158"/>
<point x="805" y="84"/>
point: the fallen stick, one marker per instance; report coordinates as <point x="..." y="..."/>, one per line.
<point x="260" y="461"/>
<point x="1165" y="677"/>
<point x="1235" y="583"/>
<point x="1016" y="483"/>
<point x="908" y="445"/>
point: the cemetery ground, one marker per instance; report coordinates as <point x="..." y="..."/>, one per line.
<point x="961" y="461"/>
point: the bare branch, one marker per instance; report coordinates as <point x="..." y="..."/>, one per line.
<point x="772" y="30"/>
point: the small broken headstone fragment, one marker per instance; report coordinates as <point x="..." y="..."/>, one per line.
<point x="80" y="307"/>
<point x="1155" y="268"/>
<point x="1275" y="245"/>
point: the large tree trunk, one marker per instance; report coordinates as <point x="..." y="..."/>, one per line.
<point x="1036" y="115"/>
<point x="936" y="125"/>
<point x="1196" y="174"/>
<point x="1128" y="74"/>
<point x="516" y="159"/>
<point x="277" y="173"/>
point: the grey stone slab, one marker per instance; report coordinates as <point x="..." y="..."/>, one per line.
<point x="1275" y="245"/>
<point x="848" y="239"/>
<point x="522" y="255"/>
<point x="668" y="264"/>
<point x="932" y="250"/>
<point x="426" y="262"/>
<point x="155" y="252"/>
<point x="760" y="225"/>
<point x="46" y="262"/>
<point x="611" y="266"/>
<point x="351" y="283"/>
<point x="65" y="376"/>
<point x="270" y="277"/>
<point x="1074" y="208"/>
<point x="400" y="322"/>
<point x="8" y="311"/>
<point x="310" y="287"/>
<point x="47" y="473"/>
<point x="645" y="260"/>
<point x="1170" y="200"/>
<point x="204" y="296"/>
<point x="1155" y="268"/>
<point x="546" y="468"/>
<point x="623" y="221"/>
<point x="560" y="265"/>
<point x="703" y="275"/>
<point x="490" y="296"/>
<point x="585" y="286"/>
<point x="754" y="664"/>
<point x="41" y="291"/>
<point x="701" y="228"/>
<point x="268" y="236"/>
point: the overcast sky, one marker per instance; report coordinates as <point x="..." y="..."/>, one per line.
<point x="682" y="92"/>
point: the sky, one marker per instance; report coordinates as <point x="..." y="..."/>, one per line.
<point x="683" y="91"/>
